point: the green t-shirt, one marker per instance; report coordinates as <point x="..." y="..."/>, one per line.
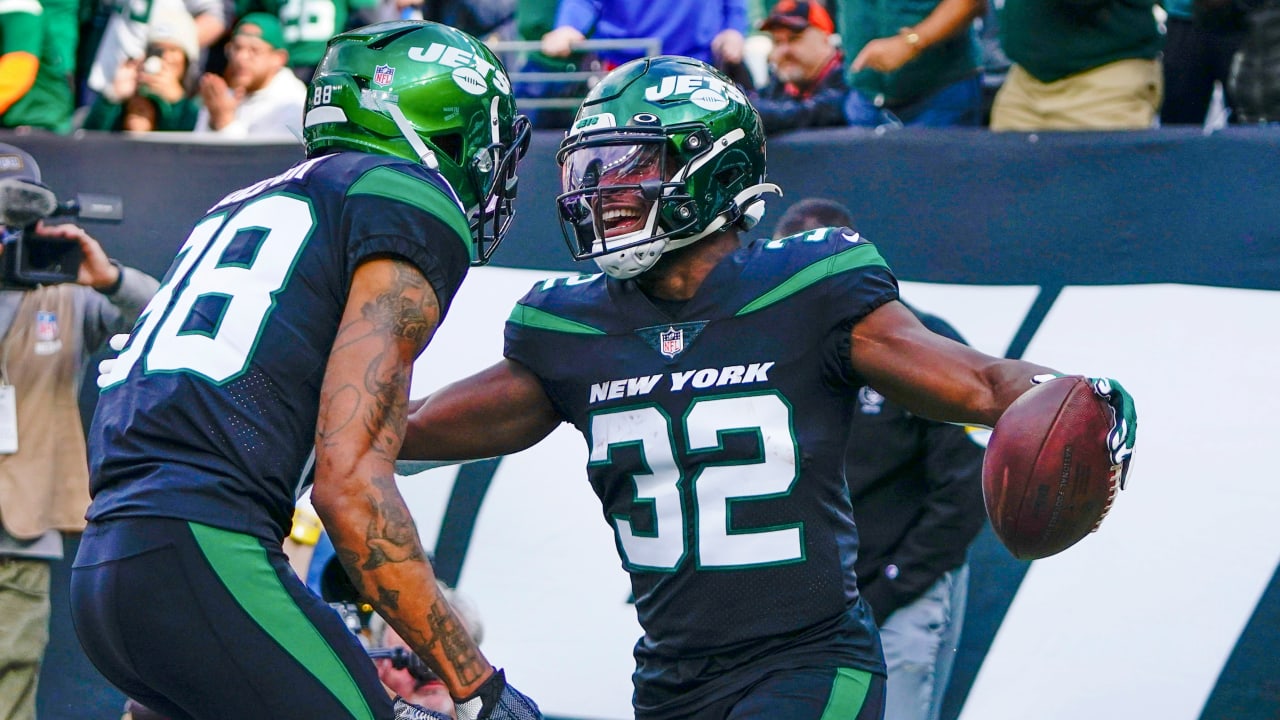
<point x="48" y="29"/>
<point x="1054" y="39"/>
<point x="946" y="62"/>
<point x="180" y="116"/>
<point x="307" y="24"/>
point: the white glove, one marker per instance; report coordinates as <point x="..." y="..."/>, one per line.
<point x="117" y="343"/>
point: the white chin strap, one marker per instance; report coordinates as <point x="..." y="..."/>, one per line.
<point x="392" y="108"/>
<point x="424" y="153"/>
<point x="631" y="261"/>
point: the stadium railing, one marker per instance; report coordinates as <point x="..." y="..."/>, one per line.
<point x="515" y="53"/>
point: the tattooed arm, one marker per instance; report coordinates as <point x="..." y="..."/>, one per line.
<point x="391" y="314"/>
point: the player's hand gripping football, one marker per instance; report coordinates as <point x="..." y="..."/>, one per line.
<point x="496" y="700"/>
<point x="1124" y="419"/>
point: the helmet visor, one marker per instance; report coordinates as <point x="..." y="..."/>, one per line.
<point x="614" y="187"/>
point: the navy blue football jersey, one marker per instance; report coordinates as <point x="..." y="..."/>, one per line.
<point x="209" y="413"/>
<point x="717" y="430"/>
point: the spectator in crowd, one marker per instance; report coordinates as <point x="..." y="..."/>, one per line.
<point x="916" y="489"/>
<point x="124" y="35"/>
<point x="912" y="63"/>
<point x="1255" y="70"/>
<point x="995" y="64"/>
<point x="481" y="18"/>
<point x="257" y="96"/>
<point x="1201" y="38"/>
<point x="534" y="19"/>
<point x="712" y="31"/>
<point x="806" y="86"/>
<point x="297" y="305"/>
<point x="37" y="63"/>
<point x="155" y="92"/>
<point x="306" y="25"/>
<point x="713" y="383"/>
<point x="49" y="333"/>
<point x="1079" y="66"/>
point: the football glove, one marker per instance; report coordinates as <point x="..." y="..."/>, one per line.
<point x="1124" y="419"/>
<point x="117" y="343"/>
<point x="496" y="700"/>
<point x="409" y="711"/>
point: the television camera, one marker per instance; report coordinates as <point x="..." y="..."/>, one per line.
<point x="29" y="259"/>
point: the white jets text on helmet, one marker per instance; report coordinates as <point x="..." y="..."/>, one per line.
<point x="681" y="85"/>
<point x="454" y="57"/>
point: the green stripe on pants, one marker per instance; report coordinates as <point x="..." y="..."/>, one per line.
<point x="242" y="565"/>
<point x="848" y="692"/>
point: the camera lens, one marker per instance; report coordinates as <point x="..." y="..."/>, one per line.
<point x="152" y="65"/>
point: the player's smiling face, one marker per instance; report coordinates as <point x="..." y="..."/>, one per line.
<point x="619" y="175"/>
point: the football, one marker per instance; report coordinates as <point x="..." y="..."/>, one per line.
<point x="1047" y="478"/>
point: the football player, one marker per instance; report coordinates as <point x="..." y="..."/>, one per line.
<point x="714" y="385"/>
<point x="281" y="343"/>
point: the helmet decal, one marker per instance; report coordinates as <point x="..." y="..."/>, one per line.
<point x="429" y="93"/>
<point x="707" y="92"/>
<point x="466" y="63"/>
<point x="594" y="122"/>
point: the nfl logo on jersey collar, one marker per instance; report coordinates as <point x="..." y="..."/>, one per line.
<point x="671" y="342"/>
<point x="672" y="339"/>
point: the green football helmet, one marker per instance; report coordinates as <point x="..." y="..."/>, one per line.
<point x="664" y="151"/>
<point x="429" y="93"/>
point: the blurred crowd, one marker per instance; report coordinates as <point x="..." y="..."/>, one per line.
<point x="237" y="68"/>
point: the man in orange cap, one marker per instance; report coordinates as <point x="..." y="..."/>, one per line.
<point x="806" y="85"/>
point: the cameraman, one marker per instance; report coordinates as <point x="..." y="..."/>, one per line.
<point x="46" y="336"/>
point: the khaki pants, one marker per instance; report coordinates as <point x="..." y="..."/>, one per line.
<point x="24" y="633"/>
<point x="1123" y="95"/>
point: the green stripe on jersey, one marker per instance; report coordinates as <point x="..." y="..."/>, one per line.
<point x="242" y="565"/>
<point x="858" y="256"/>
<point x="848" y="692"/>
<point x="543" y="320"/>
<point x="392" y="184"/>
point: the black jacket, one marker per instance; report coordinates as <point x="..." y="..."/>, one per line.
<point x="916" y="487"/>
<point x="783" y="106"/>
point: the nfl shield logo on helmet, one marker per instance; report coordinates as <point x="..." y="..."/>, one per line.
<point x="671" y="342"/>
<point x="383" y="75"/>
